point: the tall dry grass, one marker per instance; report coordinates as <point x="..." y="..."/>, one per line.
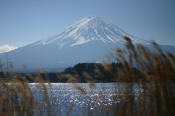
<point x="17" y="98"/>
<point x="157" y="80"/>
<point x="155" y="75"/>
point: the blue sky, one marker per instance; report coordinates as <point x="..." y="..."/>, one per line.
<point x="25" y="21"/>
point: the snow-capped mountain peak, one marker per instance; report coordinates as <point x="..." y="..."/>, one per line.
<point x="86" y="30"/>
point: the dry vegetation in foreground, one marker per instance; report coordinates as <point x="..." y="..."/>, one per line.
<point x="158" y="70"/>
<point x="158" y="82"/>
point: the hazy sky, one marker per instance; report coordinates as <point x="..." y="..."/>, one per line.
<point x="26" y="21"/>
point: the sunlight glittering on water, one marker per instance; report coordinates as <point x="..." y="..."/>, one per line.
<point x="65" y="95"/>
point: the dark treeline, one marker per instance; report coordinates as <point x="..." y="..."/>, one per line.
<point x="82" y="72"/>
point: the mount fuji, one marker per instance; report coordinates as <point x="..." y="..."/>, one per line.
<point x="88" y="40"/>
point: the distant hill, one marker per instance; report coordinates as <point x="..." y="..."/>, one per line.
<point x="82" y="73"/>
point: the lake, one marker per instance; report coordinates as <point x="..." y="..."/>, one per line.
<point x="79" y="98"/>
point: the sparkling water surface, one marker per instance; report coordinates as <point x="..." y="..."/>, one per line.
<point x="78" y="99"/>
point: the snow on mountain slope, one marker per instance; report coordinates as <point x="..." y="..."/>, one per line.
<point x="86" y="30"/>
<point x="88" y="40"/>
